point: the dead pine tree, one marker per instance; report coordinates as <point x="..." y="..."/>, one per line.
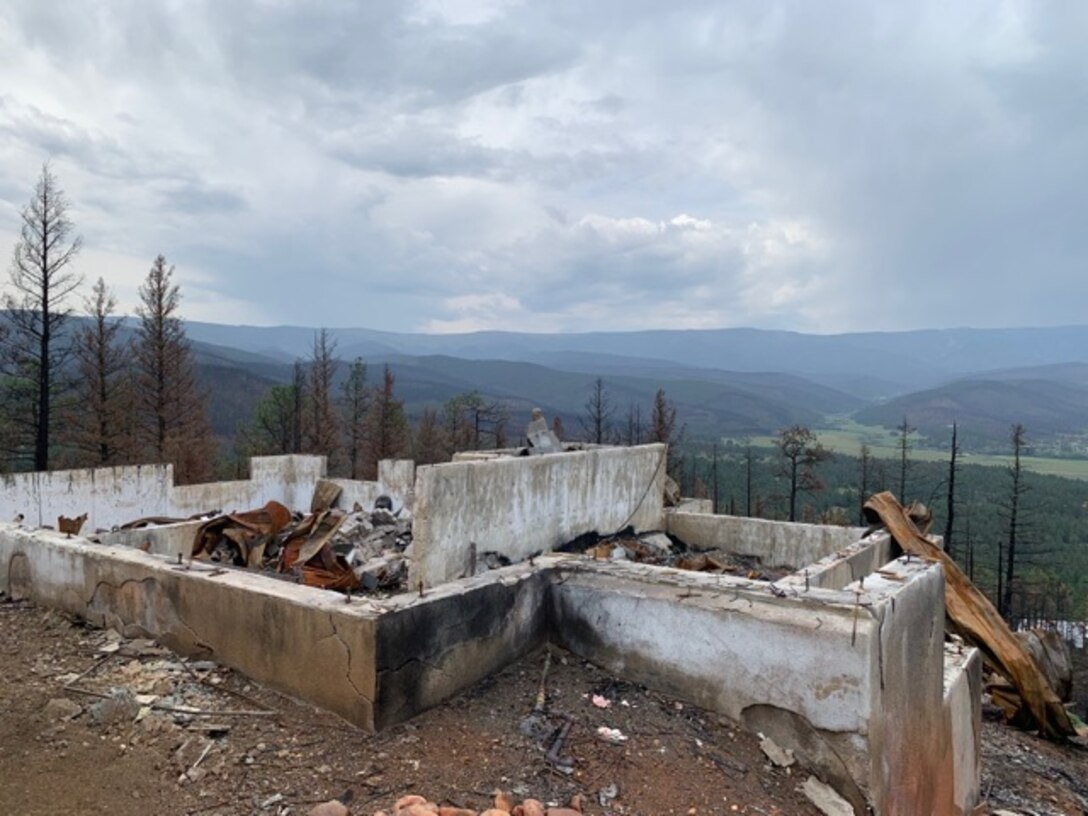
<point x="1014" y="522"/>
<point x="905" y="429"/>
<point x="597" y="419"/>
<point x="354" y="406"/>
<point x="172" y="422"/>
<point x="36" y="348"/>
<point x="801" y="451"/>
<point x="387" y="427"/>
<point x="865" y="461"/>
<point x="950" y="502"/>
<point x="99" y="428"/>
<point x="323" y="429"/>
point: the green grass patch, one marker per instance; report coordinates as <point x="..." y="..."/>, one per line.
<point x="847" y="437"/>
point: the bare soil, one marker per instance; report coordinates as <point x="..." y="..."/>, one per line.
<point x="206" y="740"/>
<point x="676" y="757"/>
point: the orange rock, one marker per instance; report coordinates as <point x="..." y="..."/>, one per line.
<point x="445" y="810"/>
<point x="504" y="802"/>
<point x="425" y="809"/>
<point x="334" y="807"/>
<point x="562" y="812"/>
<point x="495" y="812"/>
<point x="530" y="807"/>
<point x="578" y="802"/>
<point x="407" y="801"/>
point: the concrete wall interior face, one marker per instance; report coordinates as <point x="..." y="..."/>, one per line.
<point x="851" y="674"/>
<point x="520" y="505"/>
<point x="776" y="543"/>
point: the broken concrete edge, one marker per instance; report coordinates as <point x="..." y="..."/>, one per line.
<point x="847" y="565"/>
<point x="963" y="719"/>
<point x="377" y="663"/>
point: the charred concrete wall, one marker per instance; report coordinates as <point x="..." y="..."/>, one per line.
<point x="520" y="505"/>
<point x="776" y="543"/>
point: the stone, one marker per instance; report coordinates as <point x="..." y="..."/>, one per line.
<point x="825" y="798"/>
<point x="61" y="708"/>
<point x="120" y="706"/>
<point x="333" y="807"/>
<point x="530" y="807"/>
<point x="782" y="757"/>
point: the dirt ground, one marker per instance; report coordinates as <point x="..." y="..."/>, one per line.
<point x="189" y="737"/>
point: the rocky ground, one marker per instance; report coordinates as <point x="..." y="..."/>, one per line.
<point x="92" y="724"/>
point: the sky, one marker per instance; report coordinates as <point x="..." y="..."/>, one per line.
<point x="564" y="166"/>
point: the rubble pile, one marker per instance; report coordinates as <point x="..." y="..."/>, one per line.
<point x="361" y="550"/>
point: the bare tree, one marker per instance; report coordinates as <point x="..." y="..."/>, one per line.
<point x="865" y="462"/>
<point x="597" y="420"/>
<point x="36" y="348"/>
<point x="801" y="452"/>
<point x="905" y="430"/>
<point x="354" y="405"/>
<point x="387" y="428"/>
<point x="663" y="428"/>
<point x="173" y="424"/>
<point x="950" y="503"/>
<point x="99" y="427"/>
<point x="470" y="418"/>
<point x="1014" y="518"/>
<point x="633" y="430"/>
<point x="298" y="399"/>
<point x="323" y="428"/>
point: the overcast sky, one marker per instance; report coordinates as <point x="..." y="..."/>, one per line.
<point x="564" y="166"/>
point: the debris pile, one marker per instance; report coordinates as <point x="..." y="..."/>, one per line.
<point x="364" y="550"/>
<point x="662" y="550"/>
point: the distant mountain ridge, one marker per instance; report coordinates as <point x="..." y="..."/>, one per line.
<point x="889" y="363"/>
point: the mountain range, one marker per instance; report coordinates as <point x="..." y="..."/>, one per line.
<point x="724" y="382"/>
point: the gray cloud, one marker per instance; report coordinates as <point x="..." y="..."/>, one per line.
<point x="564" y="165"/>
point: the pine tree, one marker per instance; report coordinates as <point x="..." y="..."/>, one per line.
<point x="100" y="424"/>
<point x="36" y="348"/>
<point x="387" y="428"/>
<point x="172" y="422"/>
<point x="354" y="406"/>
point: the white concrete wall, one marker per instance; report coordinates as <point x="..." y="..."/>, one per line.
<point x="396" y="479"/>
<point x="846" y="565"/>
<point x="517" y="506"/>
<point x="776" y="543"/>
<point x="117" y="495"/>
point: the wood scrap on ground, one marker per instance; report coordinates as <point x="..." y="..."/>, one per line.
<point x="1032" y="703"/>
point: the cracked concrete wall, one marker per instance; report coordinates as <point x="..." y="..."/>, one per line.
<point x="300" y="640"/>
<point x="518" y="506"/>
<point x="432" y="648"/>
<point x="776" y="543"/>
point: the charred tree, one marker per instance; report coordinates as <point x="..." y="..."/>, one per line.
<point x="801" y="451"/>
<point x="597" y="419"/>
<point x="950" y="502"/>
<point x="36" y="348"/>
<point x="173" y="425"/>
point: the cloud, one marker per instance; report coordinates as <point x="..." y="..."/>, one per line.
<point x="554" y="166"/>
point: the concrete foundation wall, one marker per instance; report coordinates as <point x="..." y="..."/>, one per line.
<point x="962" y="740"/>
<point x="117" y="495"/>
<point x="905" y="602"/>
<point x="776" y="543"/>
<point x="518" y="506"/>
<point x="846" y="565"/>
<point x="169" y="540"/>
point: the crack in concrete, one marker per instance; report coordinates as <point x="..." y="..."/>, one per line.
<point x="347" y="652"/>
